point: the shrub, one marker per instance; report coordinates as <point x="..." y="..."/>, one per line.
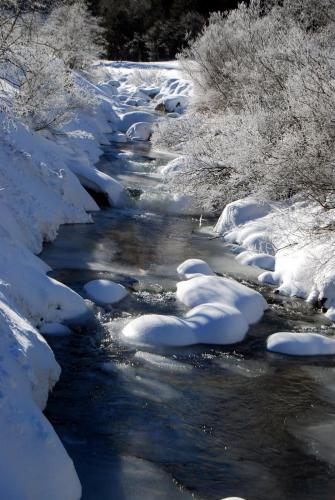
<point x="265" y="100"/>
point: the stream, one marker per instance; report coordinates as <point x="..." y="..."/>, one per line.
<point x="203" y="422"/>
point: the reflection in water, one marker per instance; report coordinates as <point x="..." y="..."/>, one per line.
<point x="201" y="422"/>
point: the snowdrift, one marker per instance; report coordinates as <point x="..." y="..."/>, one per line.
<point x="289" y="241"/>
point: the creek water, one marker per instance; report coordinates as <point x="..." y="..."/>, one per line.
<point x="203" y="422"/>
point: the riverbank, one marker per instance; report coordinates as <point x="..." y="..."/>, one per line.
<point x="42" y="178"/>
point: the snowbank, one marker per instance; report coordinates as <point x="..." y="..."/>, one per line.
<point x="205" y="324"/>
<point x="105" y="291"/>
<point x="289" y="240"/>
<point x="205" y="289"/>
<point x="33" y="462"/>
<point x="239" y="212"/>
<point x="301" y="344"/>
<point x="100" y="182"/>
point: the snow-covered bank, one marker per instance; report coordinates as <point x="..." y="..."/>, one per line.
<point x="33" y="462"/>
<point x="41" y="187"/>
<point x="293" y="242"/>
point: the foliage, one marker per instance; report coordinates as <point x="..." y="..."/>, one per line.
<point x="263" y="121"/>
<point x="40" y="44"/>
<point x="153" y="29"/>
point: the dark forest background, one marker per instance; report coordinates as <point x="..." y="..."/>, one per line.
<point x="148" y="30"/>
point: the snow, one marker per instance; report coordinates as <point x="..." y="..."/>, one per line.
<point x="191" y="267"/>
<point x="150" y="91"/>
<point x="239" y="212"/>
<point x="288" y="240"/>
<point x="173" y="104"/>
<point x="28" y="373"/>
<point x="174" y="166"/>
<point x="261" y="260"/>
<point x="42" y="181"/>
<point x="100" y="182"/>
<point x="301" y="344"/>
<point x="222" y="311"/>
<point x="205" y="289"/>
<point x="205" y="324"/>
<point x="38" y="296"/>
<point x="118" y="137"/>
<point x="140" y="131"/>
<point x="105" y="291"/>
<point x="128" y="119"/>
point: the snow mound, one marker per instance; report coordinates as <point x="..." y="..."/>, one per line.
<point x="173" y="104"/>
<point x="262" y="260"/>
<point x="205" y="324"/>
<point x="204" y="289"/>
<point x="192" y="267"/>
<point x="140" y="131"/>
<point x="175" y="166"/>
<point x="105" y="291"/>
<point x="128" y="119"/>
<point x="41" y="298"/>
<point x="301" y="344"/>
<point x="239" y="212"/>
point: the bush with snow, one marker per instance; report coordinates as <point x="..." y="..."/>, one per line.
<point x="74" y="35"/>
<point x="38" y="46"/>
<point x="262" y="122"/>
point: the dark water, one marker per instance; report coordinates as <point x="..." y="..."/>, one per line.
<point x="199" y="422"/>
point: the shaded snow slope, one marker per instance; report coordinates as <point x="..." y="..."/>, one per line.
<point x="33" y="462"/>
